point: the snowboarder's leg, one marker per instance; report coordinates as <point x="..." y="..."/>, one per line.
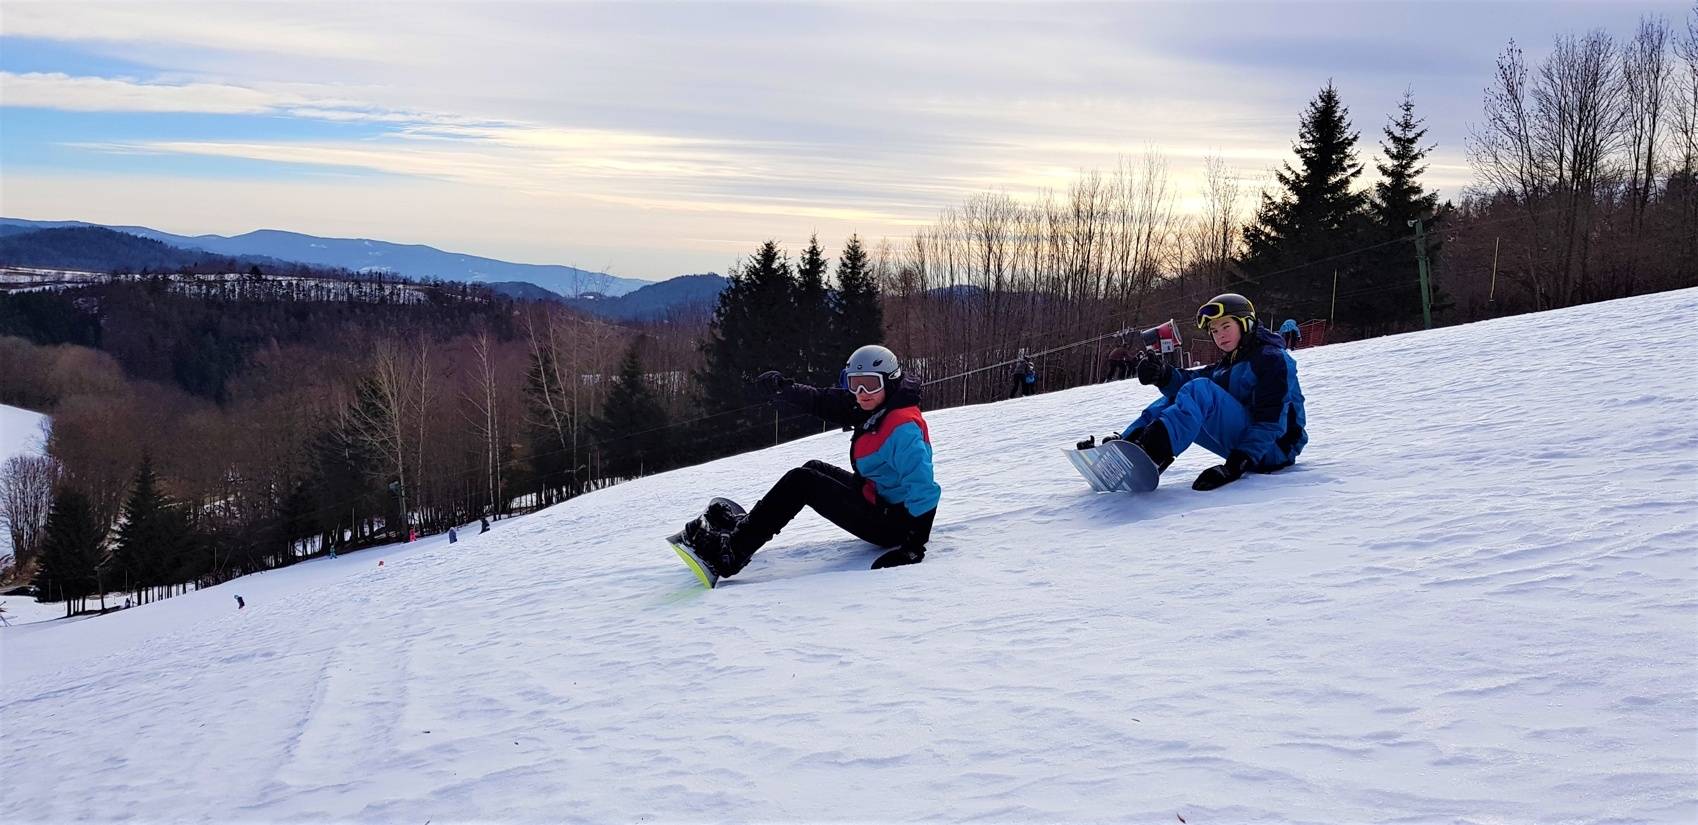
<point x="831" y="491"/>
<point x="1204" y="413"/>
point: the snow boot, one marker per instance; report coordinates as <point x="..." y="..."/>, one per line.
<point x="898" y="557"/>
<point x="725" y="514"/>
<point x="712" y="545"/>
<point x="1154" y="442"/>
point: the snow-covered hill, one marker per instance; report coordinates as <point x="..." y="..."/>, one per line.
<point x="1474" y="599"/>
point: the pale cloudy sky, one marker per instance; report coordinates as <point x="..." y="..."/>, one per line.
<point x="655" y="139"/>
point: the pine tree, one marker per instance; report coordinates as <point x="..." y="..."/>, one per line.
<point x="857" y="314"/>
<point x="631" y="431"/>
<point x="548" y="429"/>
<point x="1399" y="196"/>
<point x="296" y="521"/>
<point x="70" y="553"/>
<point x="813" y="318"/>
<point x="1388" y="295"/>
<point x="752" y="331"/>
<point x="1295" y="237"/>
<point x="152" y="534"/>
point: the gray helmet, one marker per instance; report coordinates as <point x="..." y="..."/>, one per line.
<point x="874" y="358"/>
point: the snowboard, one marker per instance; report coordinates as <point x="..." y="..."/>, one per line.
<point x="721" y="514"/>
<point x="1116" y="466"/>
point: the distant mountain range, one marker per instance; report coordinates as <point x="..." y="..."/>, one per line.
<point x="97" y="249"/>
<point x="685" y="293"/>
<point x="360" y="254"/>
<point x="75" y="245"/>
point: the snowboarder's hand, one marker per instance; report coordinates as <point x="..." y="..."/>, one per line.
<point x="772" y="381"/>
<point x="1087" y="444"/>
<point x="1151" y="369"/>
<point x="1219" y="476"/>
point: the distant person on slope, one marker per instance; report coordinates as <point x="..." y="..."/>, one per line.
<point x="1247" y="408"/>
<point x="1290" y="333"/>
<point x="890" y="497"/>
<point x="1025" y="376"/>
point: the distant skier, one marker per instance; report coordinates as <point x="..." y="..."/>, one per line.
<point x="1025" y="376"/>
<point x="888" y="500"/>
<point x="1248" y="408"/>
<point x="453" y="535"/>
<point x="240" y="604"/>
<point x="483" y="526"/>
<point x="1290" y="333"/>
<point x="1120" y="363"/>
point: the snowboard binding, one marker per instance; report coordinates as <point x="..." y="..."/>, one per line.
<point x="702" y="542"/>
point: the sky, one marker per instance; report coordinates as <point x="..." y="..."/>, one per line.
<point x="655" y="139"/>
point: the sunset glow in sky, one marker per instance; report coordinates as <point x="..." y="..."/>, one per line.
<point x="656" y="139"/>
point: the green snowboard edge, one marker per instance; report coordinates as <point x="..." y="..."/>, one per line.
<point x="708" y="579"/>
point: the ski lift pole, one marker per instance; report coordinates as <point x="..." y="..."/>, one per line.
<point x="1493" y="295"/>
<point x="1332" y="311"/>
<point x="1421" y="263"/>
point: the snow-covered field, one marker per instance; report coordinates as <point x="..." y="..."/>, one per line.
<point x="1474" y="599"/>
<point x="21" y="433"/>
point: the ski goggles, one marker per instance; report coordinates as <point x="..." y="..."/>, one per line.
<point x="864" y="383"/>
<point x="1210" y="311"/>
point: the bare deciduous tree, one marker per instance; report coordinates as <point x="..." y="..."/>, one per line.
<point x="26" y="496"/>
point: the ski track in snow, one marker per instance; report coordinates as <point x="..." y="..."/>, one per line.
<point x="1475" y="598"/>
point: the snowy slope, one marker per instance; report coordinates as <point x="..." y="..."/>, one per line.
<point x="1474" y="599"/>
<point x="21" y="433"/>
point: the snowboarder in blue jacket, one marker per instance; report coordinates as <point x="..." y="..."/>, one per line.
<point x="890" y="497"/>
<point x="1247" y="408"/>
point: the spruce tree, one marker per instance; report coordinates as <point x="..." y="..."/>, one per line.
<point x="813" y="318"/>
<point x="70" y="552"/>
<point x="1292" y="245"/>
<point x="631" y="431"/>
<point x="1399" y="196"/>
<point x="548" y="429"/>
<point x="753" y="330"/>
<point x="1388" y="295"/>
<point x="296" y="521"/>
<point x="857" y="315"/>
<point x="152" y="535"/>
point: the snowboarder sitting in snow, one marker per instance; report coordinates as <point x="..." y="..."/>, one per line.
<point x="888" y="500"/>
<point x="1247" y="408"/>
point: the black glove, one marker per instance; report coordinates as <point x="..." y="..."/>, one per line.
<point x="772" y="381"/>
<point x="1152" y="370"/>
<point x="913" y="547"/>
<point x="1219" y="476"/>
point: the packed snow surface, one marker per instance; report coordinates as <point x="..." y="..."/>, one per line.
<point x="1475" y="598"/>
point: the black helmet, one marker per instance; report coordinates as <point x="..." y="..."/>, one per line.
<point x="1227" y="304"/>
<point x="874" y="358"/>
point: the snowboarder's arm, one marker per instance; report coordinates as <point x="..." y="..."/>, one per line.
<point x="830" y="403"/>
<point x="1177" y="378"/>
<point x="911" y="457"/>
<point x="1267" y="406"/>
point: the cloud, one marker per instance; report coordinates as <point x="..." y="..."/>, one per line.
<point x="52" y="90"/>
<point x="663" y="122"/>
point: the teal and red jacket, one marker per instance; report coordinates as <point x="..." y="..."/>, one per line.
<point x="891" y="450"/>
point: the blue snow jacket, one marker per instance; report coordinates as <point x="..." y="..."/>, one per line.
<point x="892" y="447"/>
<point x="1262" y="376"/>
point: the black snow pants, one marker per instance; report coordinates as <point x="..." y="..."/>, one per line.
<point x="834" y="493"/>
